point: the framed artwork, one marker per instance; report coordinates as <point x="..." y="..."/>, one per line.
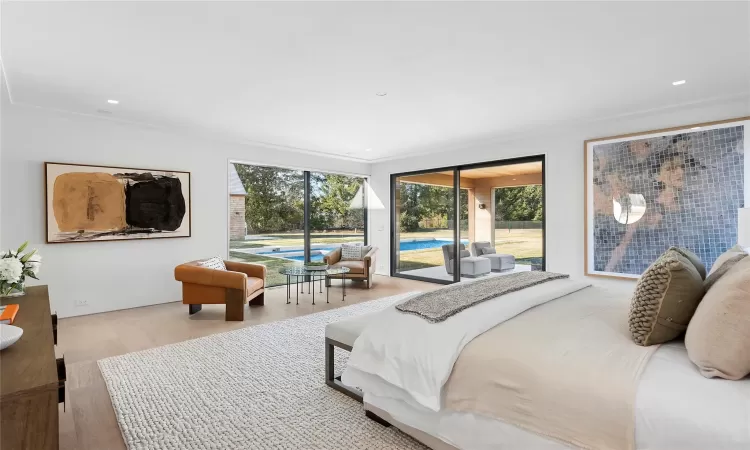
<point x="646" y="192"/>
<point x="87" y="203"/>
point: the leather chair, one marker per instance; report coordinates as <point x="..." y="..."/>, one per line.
<point x="239" y="284"/>
<point x="358" y="270"/>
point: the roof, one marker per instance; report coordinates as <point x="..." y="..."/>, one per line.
<point x="235" y="184"/>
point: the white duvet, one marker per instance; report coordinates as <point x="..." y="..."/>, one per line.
<point x="401" y="362"/>
<point x="417" y="356"/>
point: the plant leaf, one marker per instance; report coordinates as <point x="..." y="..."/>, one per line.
<point x="28" y="256"/>
<point x="22" y="247"/>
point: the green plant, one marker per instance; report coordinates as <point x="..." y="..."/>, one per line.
<point x="15" y="267"/>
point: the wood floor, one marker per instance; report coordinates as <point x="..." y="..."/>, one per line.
<point x="88" y="422"/>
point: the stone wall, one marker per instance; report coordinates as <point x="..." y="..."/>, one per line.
<point x="236" y="217"/>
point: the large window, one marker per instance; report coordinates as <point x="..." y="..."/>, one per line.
<point x="496" y="205"/>
<point x="267" y="223"/>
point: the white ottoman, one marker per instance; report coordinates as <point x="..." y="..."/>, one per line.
<point x="501" y="262"/>
<point x="475" y="266"/>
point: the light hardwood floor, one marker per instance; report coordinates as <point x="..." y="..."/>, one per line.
<point x="89" y="423"/>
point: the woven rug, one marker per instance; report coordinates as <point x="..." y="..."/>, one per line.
<point x="260" y="387"/>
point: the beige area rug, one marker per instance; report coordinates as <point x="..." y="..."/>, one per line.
<point x="260" y="387"/>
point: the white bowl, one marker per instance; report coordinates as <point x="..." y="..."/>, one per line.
<point x="9" y="335"/>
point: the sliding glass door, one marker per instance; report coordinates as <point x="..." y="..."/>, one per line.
<point x="490" y="209"/>
<point x="424" y="225"/>
<point x="280" y="217"/>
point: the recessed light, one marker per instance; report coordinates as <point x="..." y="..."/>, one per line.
<point x="381" y="94"/>
<point x="368" y="149"/>
<point x="677" y="83"/>
<point x="696" y="128"/>
<point x="113" y="102"/>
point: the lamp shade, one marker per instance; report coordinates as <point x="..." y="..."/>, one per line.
<point x="743" y="227"/>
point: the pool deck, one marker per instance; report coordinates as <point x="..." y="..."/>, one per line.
<point x="439" y="272"/>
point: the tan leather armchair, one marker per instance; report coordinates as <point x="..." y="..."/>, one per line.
<point x="358" y="270"/>
<point x="239" y="284"/>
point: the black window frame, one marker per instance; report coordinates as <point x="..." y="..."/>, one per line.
<point x="456" y="169"/>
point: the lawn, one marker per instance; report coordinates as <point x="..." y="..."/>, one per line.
<point x="523" y="244"/>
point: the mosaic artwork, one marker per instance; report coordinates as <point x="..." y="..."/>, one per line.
<point x="677" y="190"/>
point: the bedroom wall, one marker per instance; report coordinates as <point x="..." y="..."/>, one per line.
<point x="108" y="276"/>
<point x="564" y="171"/>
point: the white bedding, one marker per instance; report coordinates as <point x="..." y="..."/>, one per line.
<point x="676" y="409"/>
<point x="417" y="356"/>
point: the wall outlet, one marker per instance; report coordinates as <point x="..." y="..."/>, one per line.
<point x="82" y="302"/>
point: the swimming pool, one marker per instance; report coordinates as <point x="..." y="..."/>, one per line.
<point x="317" y="254"/>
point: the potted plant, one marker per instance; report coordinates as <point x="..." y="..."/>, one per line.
<point x="15" y="267"/>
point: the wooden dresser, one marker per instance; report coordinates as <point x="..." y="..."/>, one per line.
<point x="32" y="381"/>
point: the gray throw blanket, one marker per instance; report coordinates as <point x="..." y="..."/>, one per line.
<point x="439" y="305"/>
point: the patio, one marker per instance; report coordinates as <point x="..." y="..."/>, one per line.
<point x="481" y="219"/>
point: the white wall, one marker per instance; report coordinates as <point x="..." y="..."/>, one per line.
<point x="117" y="275"/>
<point x="564" y="175"/>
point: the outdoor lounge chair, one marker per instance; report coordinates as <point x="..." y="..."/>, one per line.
<point x="470" y="266"/>
<point x="500" y="262"/>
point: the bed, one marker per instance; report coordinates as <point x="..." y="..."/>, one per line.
<point x="468" y="383"/>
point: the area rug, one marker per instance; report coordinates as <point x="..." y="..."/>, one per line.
<point x="260" y="387"/>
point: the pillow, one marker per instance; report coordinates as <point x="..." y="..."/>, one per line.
<point x="665" y="299"/>
<point x="721" y="267"/>
<point x="693" y="258"/>
<point x="718" y="338"/>
<point x="215" y="263"/>
<point x="488" y="251"/>
<point x="464" y="254"/>
<point x="726" y="256"/>
<point x="354" y="252"/>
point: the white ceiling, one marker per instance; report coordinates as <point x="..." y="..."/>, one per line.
<point x="304" y="75"/>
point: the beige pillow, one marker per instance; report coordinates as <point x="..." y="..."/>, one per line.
<point x="693" y="258"/>
<point x="718" y="338"/>
<point x="721" y="267"/>
<point x="665" y="299"/>
<point x="726" y="256"/>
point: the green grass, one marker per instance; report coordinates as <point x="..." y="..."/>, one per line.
<point x="522" y="244"/>
<point x="273" y="277"/>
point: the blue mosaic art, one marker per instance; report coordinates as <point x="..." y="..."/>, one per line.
<point x="681" y="190"/>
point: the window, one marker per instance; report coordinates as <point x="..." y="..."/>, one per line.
<point x="500" y="205"/>
<point x="267" y="223"/>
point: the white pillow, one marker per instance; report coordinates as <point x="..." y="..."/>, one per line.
<point x="215" y="263"/>
<point x="489" y="251"/>
<point x="354" y="252"/>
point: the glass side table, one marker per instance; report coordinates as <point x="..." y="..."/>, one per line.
<point x="311" y="276"/>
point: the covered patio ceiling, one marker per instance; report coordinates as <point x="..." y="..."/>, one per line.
<point x="509" y="175"/>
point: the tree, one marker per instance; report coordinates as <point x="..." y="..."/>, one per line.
<point x="274" y="200"/>
<point x="523" y="203"/>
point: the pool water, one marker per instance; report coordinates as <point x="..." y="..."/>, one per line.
<point x="317" y="254"/>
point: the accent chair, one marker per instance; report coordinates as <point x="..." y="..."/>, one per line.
<point x="470" y="266"/>
<point x="358" y="270"/>
<point x="500" y="262"/>
<point x="239" y="284"/>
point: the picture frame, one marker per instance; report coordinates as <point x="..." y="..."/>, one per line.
<point x="647" y="191"/>
<point x="93" y="203"/>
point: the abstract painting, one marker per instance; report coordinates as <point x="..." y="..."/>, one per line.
<point x="650" y="191"/>
<point x="92" y="203"/>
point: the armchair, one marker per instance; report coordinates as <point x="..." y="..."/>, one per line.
<point x="358" y="270"/>
<point x="240" y="283"/>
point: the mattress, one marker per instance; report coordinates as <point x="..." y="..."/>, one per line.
<point x="676" y="408"/>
